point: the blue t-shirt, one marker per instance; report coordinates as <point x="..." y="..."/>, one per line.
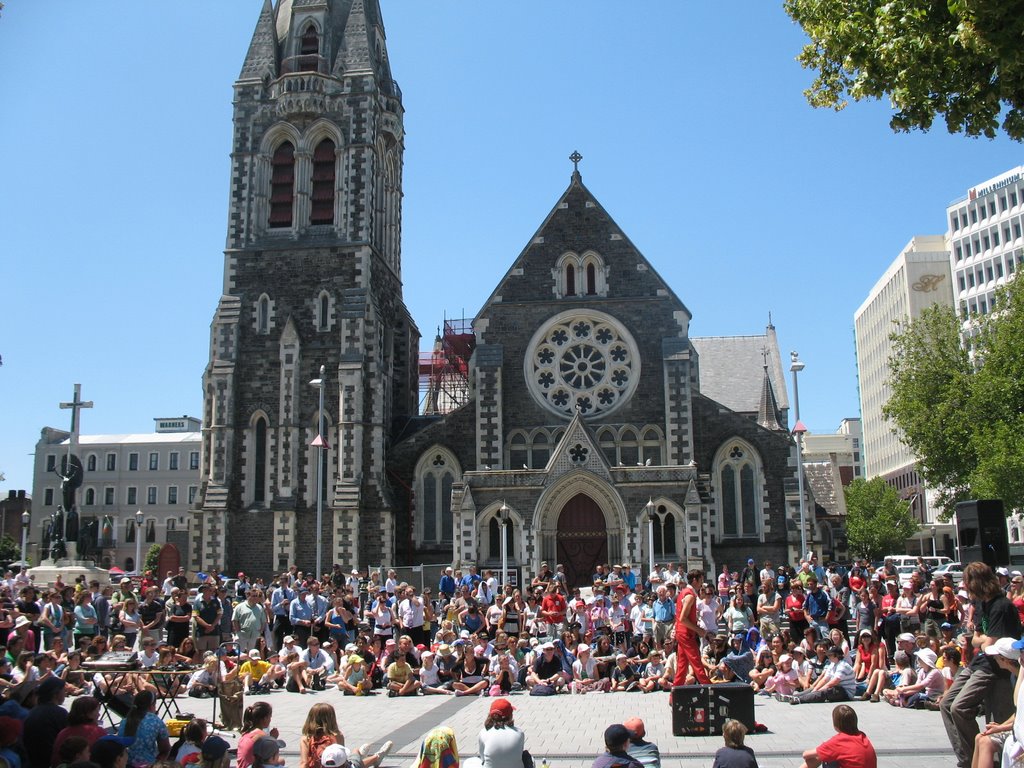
<point x="145" y="749"/>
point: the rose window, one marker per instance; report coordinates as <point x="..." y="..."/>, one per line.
<point x="584" y="362"/>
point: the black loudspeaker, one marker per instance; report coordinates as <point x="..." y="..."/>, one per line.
<point x="701" y="710"/>
<point x="731" y="701"/>
<point x="981" y="528"/>
<point x="690" y="704"/>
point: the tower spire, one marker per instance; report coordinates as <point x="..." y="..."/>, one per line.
<point x="261" y="60"/>
<point x="768" y="408"/>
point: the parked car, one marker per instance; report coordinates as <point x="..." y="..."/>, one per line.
<point x="951" y="569"/>
<point x="906" y="571"/>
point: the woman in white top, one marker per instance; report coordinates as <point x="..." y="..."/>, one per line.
<point x="707" y="611"/>
<point x="383" y="618"/>
<point x="500" y="744"/>
<point x="585" y="675"/>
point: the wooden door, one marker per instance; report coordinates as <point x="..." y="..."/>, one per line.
<point x="582" y="539"/>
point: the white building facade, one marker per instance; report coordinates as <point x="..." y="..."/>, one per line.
<point x="986" y="249"/>
<point x="156" y="473"/>
<point x="986" y="243"/>
<point x="918" y="278"/>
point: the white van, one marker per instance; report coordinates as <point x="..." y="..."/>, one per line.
<point x="902" y="561"/>
<point x="907" y="564"/>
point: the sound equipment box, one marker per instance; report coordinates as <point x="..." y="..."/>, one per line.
<point x="113" y="661"/>
<point x="701" y="710"/>
<point x="981" y="528"/>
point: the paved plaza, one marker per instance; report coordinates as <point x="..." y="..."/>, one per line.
<point x="567" y="730"/>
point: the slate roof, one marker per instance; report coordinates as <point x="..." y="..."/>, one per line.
<point x="823" y="481"/>
<point x="732" y="370"/>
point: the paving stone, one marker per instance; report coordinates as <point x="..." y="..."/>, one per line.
<point x="567" y="730"/>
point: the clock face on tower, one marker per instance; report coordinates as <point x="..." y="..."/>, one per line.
<point x="582" y="360"/>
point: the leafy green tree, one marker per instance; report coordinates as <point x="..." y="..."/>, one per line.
<point x="956" y="59"/>
<point x="931" y="378"/>
<point x="878" y="521"/>
<point x="152" y="558"/>
<point x="10" y="550"/>
<point x="960" y="412"/>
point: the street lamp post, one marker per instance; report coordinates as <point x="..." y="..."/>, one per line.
<point x="798" y="429"/>
<point x="26" y="519"/>
<point x="649" y="509"/>
<point x="319" y="384"/>
<point x="138" y="541"/>
<point x="503" y="519"/>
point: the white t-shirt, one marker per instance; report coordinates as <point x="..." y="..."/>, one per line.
<point x="411" y="612"/>
<point x="430" y="676"/>
<point x="501" y="747"/>
<point x="587" y="671"/>
<point x="318" y="660"/>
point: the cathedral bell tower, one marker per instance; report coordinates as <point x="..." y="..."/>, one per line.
<point x="312" y="277"/>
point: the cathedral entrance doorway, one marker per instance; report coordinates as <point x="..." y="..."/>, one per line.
<point x="582" y="539"/>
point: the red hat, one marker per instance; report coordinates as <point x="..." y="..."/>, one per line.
<point x="502" y="707"/>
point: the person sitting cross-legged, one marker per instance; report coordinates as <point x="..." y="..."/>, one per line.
<point x="258" y="675"/>
<point x="653" y="672"/>
<point x="354" y="679"/>
<point x="836" y="682"/>
<point x="584" y="672"/>
<point x="624" y="675"/>
<point x="401" y="681"/>
<point x="547" y="669"/>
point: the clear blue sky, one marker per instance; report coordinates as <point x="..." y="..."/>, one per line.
<point x="116" y="132"/>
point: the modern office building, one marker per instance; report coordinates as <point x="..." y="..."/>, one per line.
<point x="986" y="242"/>
<point x="157" y="473"/>
<point x="986" y="248"/>
<point x="918" y="278"/>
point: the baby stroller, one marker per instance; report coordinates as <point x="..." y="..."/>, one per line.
<point x="230" y="692"/>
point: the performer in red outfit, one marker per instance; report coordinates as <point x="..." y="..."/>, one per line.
<point x="688" y="633"/>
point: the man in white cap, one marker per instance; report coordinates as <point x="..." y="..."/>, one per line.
<point x="339" y="756"/>
<point x="982" y="681"/>
<point x="547" y="670"/>
<point x="1005" y="736"/>
<point x="1003" y="575"/>
<point x="907" y="643"/>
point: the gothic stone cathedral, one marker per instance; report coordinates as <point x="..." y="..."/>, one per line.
<point x="594" y="419"/>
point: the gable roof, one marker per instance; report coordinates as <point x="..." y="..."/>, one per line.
<point x="732" y="370"/>
<point x="592" y="228"/>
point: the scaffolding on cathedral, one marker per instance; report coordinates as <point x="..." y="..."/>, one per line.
<point x="444" y="371"/>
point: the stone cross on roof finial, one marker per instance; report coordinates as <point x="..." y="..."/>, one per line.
<point x="575" y="157"/>
<point x="764" y="355"/>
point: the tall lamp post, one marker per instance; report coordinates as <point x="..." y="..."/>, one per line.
<point x="503" y="520"/>
<point x="649" y="509"/>
<point x="26" y="519"/>
<point x="319" y="443"/>
<point x="138" y="541"/>
<point x="799" y="429"/>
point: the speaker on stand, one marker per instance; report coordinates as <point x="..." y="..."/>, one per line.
<point x="981" y="532"/>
